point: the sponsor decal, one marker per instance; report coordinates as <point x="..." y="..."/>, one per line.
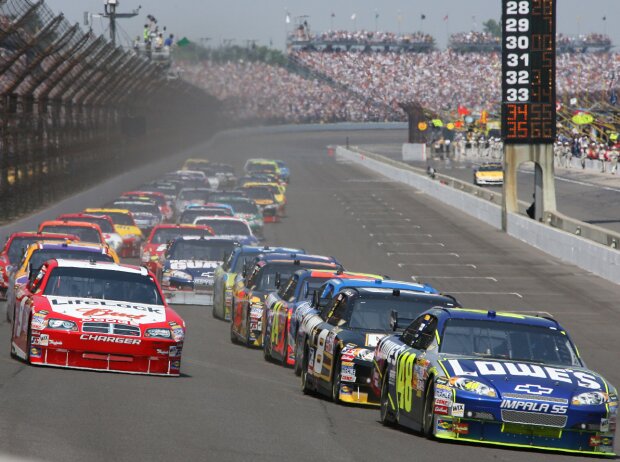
<point x="534" y="389"/>
<point x="44" y="340"/>
<point x="595" y="441"/>
<point x="110" y="339"/>
<point x="604" y="425"/>
<point x="458" y="410"/>
<point x="38" y="321"/>
<point x="176" y="364"/>
<point x="373" y="339"/>
<point x="55" y="342"/>
<point x="485" y="368"/>
<point x="461" y="428"/>
<point x="348" y="370"/>
<point x="533" y="406"/>
<point x="444" y="425"/>
<point x="329" y="343"/>
<point x="193" y="264"/>
<point x="347" y="378"/>
<point x="108" y="309"/>
<point x="35" y="352"/>
<point x="441" y="393"/>
<point x="97" y="302"/>
<point x="95" y="312"/>
<point x="110" y="320"/>
<point x="347" y="357"/>
<point x="35" y="341"/>
<point x="443" y="402"/>
<point x="440" y="410"/>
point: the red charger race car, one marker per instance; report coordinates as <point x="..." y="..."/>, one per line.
<point x="87" y="232"/>
<point x="161" y="235"/>
<point x="14" y="248"/>
<point x="98" y="316"/>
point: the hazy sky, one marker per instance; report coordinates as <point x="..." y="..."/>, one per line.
<point x="264" y="20"/>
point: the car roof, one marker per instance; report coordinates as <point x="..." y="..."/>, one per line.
<point x="74" y="224"/>
<point x="388" y="284"/>
<point x="540" y="319"/>
<point x="254" y="249"/>
<point x="297" y="256"/>
<point x="71" y="245"/>
<point x="204" y="238"/>
<point x="64" y="263"/>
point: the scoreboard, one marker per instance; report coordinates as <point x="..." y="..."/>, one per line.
<point x="528" y="71"/>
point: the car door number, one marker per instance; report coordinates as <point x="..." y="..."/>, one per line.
<point x="404" y="378"/>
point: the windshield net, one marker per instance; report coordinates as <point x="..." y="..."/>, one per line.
<point x="503" y="340"/>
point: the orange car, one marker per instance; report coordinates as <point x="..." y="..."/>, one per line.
<point x="87" y="232"/>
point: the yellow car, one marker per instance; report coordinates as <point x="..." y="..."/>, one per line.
<point x="39" y="252"/>
<point x="278" y="191"/>
<point x="489" y="174"/>
<point x="124" y="225"/>
<point x="269" y="166"/>
<point x="195" y="164"/>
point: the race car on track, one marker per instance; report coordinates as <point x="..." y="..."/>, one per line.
<point x="14" y="248"/>
<point x="489" y="174"/>
<point x="245" y="209"/>
<point x="99" y="316"/>
<point x="146" y="213"/>
<point x="87" y="232"/>
<point x="229" y="227"/>
<point x="105" y="223"/>
<point x="278" y="191"/>
<point x="126" y="226"/>
<point x="210" y="209"/>
<point x="281" y="305"/>
<point x="339" y="351"/>
<point x="186" y="269"/>
<point x="230" y="274"/>
<point x="161" y="235"/>
<point x="39" y="252"/>
<point x="265" y="276"/>
<point x="265" y="200"/>
<point x="191" y="196"/>
<point x="155" y="196"/>
<point x="498" y="378"/>
<point x="285" y="173"/>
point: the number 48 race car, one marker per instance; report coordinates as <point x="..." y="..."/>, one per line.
<point x="495" y="378"/>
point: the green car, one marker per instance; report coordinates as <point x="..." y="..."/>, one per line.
<point x="247" y="210"/>
<point x="232" y="270"/>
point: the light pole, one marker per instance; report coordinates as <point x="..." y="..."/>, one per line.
<point x="110" y="12"/>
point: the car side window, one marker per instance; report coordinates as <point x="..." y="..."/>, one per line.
<point x="35" y="282"/>
<point x="410" y="333"/>
<point x="288" y="289"/>
<point x="338" y="310"/>
<point x="426" y="333"/>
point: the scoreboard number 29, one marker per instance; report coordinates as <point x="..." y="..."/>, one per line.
<point x="528" y="71"/>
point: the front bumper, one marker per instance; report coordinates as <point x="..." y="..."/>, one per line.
<point x="188" y="297"/>
<point x="78" y="350"/>
<point x="131" y="247"/>
<point x="355" y="383"/>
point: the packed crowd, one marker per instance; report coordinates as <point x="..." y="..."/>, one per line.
<point x="257" y="91"/>
<point x="364" y="37"/>
<point x="565" y="42"/>
<point x="440" y="80"/>
<point x="470" y="38"/>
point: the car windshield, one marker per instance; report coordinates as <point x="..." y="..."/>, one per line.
<point x="373" y="312"/>
<point x="226" y="227"/>
<point x="201" y="250"/>
<point x="490" y="168"/>
<point x="103" y="284"/>
<point x="40" y="256"/>
<point x="104" y="224"/>
<point x="84" y="233"/>
<point x="242" y="262"/>
<point x="20" y="244"/>
<point x="306" y="291"/>
<point x="259" y="167"/>
<point x="136" y="207"/>
<point x="195" y="165"/>
<point x="243" y="206"/>
<point x="189" y="215"/>
<point x="157" y="199"/>
<point x="164" y="235"/>
<point x="121" y="218"/>
<point x="194" y="195"/>
<point x="502" y="340"/>
<point x="259" y="192"/>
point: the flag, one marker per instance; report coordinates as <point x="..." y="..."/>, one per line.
<point x="604" y="18"/>
<point x="445" y="18"/>
<point x="288" y="18"/>
<point x="353" y="16"/>
<point x="333" y="14"/>
<point x="422" y="17"/>
<point x="183" y="42"/>
<point x="376" y="15"/>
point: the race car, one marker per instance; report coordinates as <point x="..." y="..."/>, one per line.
<point x="211" y="209"/>
<point x="489" y="174"/>
<point x="278" y="191"/>
<point x="126" y="226"/>
<point x="155" y="196"/>
<point x="265" y="276"/>
<point x="285" y="172"/>
<point x="157" y="242"/>
<point x="281" y="305"/>
<point x="229" y="227"/>
<point x="494" y="378"/>
<point x="196" y="164"/>
<point x="87" y="232"/>
<point x="39" y="252"/>
<point x="339" y="350"/>
<point x="230" y="274"/>
<point x="191" y="196"/>
<point x="14" y="248"/>
<point x="105" y="223"/>
<point x="264" y="198"/>
<point x="146" y="213"/>
<point x="261" y="166"/>
<point x="186" y="270"/>
<point x="245" y="209"/>
<point x="99" y="316"/>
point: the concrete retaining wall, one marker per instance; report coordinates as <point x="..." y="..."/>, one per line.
<point x="590" y="256"/>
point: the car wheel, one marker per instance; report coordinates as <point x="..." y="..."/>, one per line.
<point x="305" y="384"/>
<point x="336" y="381"/>
<point x="233" y="337"/>
<point x="28" y="341"/>
<point x="428" y="416"/>
<point x="386" y="415"/>
<point x="247" y="330"/>
<point x="298" y="359"/>
<point x="266" y="352"/>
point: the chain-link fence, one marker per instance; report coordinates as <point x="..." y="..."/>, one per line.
<point x="74" y="109"/>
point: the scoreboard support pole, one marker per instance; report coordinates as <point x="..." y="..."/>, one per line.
<point x="528" y="100"/>
<point x="544" y="190"/>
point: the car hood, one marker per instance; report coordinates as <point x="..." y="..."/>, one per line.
<point x="192" y="266"/>
<point x="490" y="174"/>
<point x="89" y="309"/>
<point x="524" y="378"/>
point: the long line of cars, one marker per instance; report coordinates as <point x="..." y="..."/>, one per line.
<point x="360" y="339"/>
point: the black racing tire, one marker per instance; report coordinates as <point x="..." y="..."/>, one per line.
<point x="233" y="336"/>
<point x="29" y="341"/>
<point x="298" y="360"/>
<point x="305" y="384"/>
<point x="336" y="380"/>
<point x="266" y="350"/>
<point x="428" y="414"/>
<point x="247" y="333"/>
<point x="386" y="415"/>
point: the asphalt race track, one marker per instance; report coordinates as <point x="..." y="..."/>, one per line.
<point x="230" y="405"/>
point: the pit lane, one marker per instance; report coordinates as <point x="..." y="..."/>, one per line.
<point x="231" y="405"/>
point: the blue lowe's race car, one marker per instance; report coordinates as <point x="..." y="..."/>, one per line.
<point x="497" y="378"/>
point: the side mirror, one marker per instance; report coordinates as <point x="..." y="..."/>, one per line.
<point x="278" y="281"/>
<point x="394" y="320"/>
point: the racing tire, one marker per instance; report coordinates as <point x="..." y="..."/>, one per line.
<point x="336" y="381"/>
<point x="305" y="385"/>
<point x="28" y="341"/>
<point x="233" y="337"/>
<point x="298" y="359"/>
<point x="266" y="353"/>
<point x="386" y="416"/>
<point x="428" y="416"/>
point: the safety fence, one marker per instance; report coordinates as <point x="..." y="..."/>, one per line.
<point x="75" y="109"/>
